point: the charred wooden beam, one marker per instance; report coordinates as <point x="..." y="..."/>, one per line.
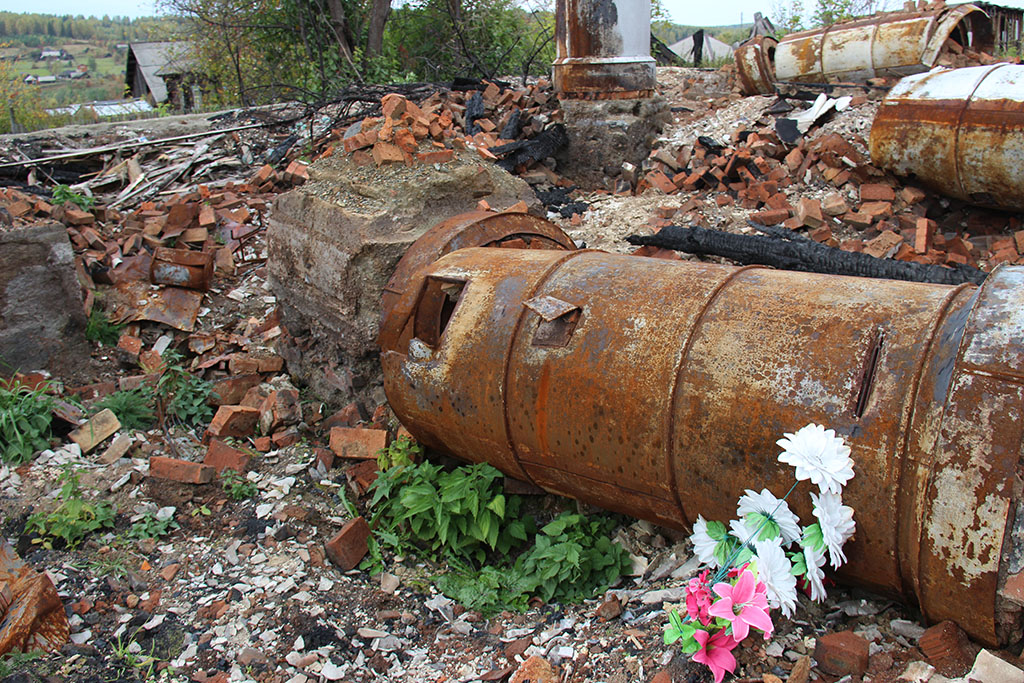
<point x="784" y="249"/>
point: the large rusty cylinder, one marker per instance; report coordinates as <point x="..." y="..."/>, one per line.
<point x="884" y="44"/>
<point x="960" y="131"/>
<point x="603" y="47"/>
<point x="658" y="389"/>
<point x="755" y="65"/>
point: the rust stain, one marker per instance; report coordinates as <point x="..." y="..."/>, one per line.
<point x="33" y="616"/>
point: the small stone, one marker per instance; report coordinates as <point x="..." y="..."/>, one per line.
<point x="249" y="656"/>
<point x="991" y="669"/>
<point x="535" y="670"/>
<point x="609" y="609"/>
<point x="907" y="629"/>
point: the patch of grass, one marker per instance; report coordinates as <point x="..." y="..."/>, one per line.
<point x="25" y="417"/>
<point x="99" y="329"/>
<point x="236" y="486"/>
<point x="72" y="520"/>
<point x="132" y="660"/>
<point x="109" y="564"/>
<point x="13" y="662"/>
<point x="134" y="408"/>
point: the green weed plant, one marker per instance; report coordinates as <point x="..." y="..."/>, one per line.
<point x="25" y="417"/>
<point x="74" y="518"/>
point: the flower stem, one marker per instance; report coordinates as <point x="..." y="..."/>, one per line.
<point x="724" y="569"/>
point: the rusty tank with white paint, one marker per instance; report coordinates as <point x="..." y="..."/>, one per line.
<point x="959" y="131"/>
<point x="884" y="44"/>
<point x="658" y="388"/>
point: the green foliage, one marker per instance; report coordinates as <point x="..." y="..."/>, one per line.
<point x="788" y="17"/>
<point x="401" y="451"/>
<point x="181" y="394"/>
<point x="62" y="194"/>
<point x="134" y="408"/>
<point x="99" y="329"/>
<point x="237" y="486"/>
<point x="677" y="630"/>
<point x="12" y="662"/>
<point x="459" y="514"/>
<point x="73" y="519"/>
<point x="24" y="421"/>
<point x="153" y="525"/>
<point x="572" y="559"/>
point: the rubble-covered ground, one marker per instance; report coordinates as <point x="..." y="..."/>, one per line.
<point x="241" y="589"/>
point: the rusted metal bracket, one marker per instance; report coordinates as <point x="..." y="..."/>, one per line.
<point x="658" y="388"/>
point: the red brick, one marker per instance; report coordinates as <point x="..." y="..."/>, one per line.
<point x="660" y="181"/>
<point x="923" y="236"/>
<point x="437" y="156"/>
<point x="770" y="217"/>
<point x="242" y="364"/>
<point x="808" y="212"/>
<point x="130" y="344"/>
<point x="207" y="217"/>
<point x="231" y="390"/>
<point x="262" y="175"/>
<point x="357" y="443"/>
<point x="352" y="414"/>
<point x="185" y="471"/>
<point x="273" y="363"/>
<point x="834" y="204"/>
<point x="348" y="547"/>
<point x="386" y="153"/>
<point x="842" y="653"/>
<point x="876" y="209"/>
<point x="858" y="220"/>
<point x="221" y="456"/>
<point x="325" y="456"/>
<point x="285" y="437"/>
<point x="884" y="245"/>
<point x="948" y="649"/>
<point x="363" y="474"/>
<point x="794" y="159"/>
<point x="876" y="192"/>
<point x="262" y="444"/>
<point x="912" y="195"/>
<point x="77" y="217"/>
<point x="233" y="421"/>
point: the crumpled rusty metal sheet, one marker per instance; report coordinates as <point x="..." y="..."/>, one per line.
<point x="172" y="306"/>
<point x="755" y="65"/>
<point x="885" y="44"/>
<point x="31" y="613"/>
<point x="658" y="388"/>
<point x="960" y="131"/>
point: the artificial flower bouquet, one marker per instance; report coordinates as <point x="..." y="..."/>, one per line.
<point x="754" y="564"/>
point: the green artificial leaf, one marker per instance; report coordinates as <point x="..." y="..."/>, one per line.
<point x="813" y="538"/>
<point x="717" y="531"/>
<point x="769" y="528"/>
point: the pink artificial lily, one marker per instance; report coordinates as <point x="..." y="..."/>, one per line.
<point x="743" y="605"/>
<point x="715" y="652"/>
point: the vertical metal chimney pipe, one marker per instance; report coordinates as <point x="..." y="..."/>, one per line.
<point x="603" y="49"/>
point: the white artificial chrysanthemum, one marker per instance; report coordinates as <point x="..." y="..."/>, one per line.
<point x="815" y="559"/>
<point x="740" y="530"/>
<point x="703" y="544"/>
<point x="776" y="571"/>
<point x="767" y="504"/>
<point x="836" y="522"/>
<point x="819" y="455"/>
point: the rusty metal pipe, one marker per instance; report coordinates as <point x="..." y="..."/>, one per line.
<point x="884" y="44"/>
<point x="960" y="131"/>
<point x="603" y="48"/>
<point x="755" y="65"/>
<point x="657" y="389"/>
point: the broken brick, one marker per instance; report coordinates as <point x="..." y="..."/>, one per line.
<point x="280" y="409"/>
<point x="877" y="192"/>
<point x="357" y="443"/>
<point x="233" y="421"/>
<point x="221" y="456"/>
<point x="386" y="153"/>
<point x="947" y="648"/>
<point x="184" y="471"/>
<point x="660" y="181"/>
<point x="231" y="390"/>
<point x="858" y="220"/>
<point x="808" y="213"/>
<point x="883" y="246"/>
<point x="925" y="228"/>
<point x="286" y="437"/>
<point x="834" y="205"/>
<point x="96" y="430"/>
<point x="347" y="548"/>
<point x="843" y="653"/>
<point x="77" y="217"/>
<point x="438" y="156"/>
<point x="770" y="217"/>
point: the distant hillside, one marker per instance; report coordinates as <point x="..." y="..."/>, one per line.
<point x="669" y="33"/>
<point x="38" y="30"/>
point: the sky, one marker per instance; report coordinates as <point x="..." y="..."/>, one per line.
<point x="715" y="13"/>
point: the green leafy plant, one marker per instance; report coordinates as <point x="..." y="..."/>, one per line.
<point x="181" y="394"/>
<point x="72" y="520"/>
<point x="457" y="514"/>
<point x="12" y="662"/>
<point x="237" y="486"/>
<point x="134" y="407"/>
<point x="401" y="451"/>
<point x="62" y="194"/>
<point x="139" y="664"/>
<point x="99" y="329"/>
<point x="153" y="525"/>
<point x="25" y="417"/>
